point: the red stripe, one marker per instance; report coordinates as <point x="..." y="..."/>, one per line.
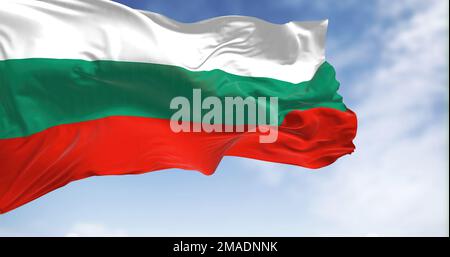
<point x="35" y="165"/>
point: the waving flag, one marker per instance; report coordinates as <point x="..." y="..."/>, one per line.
<point x="88" y="87"/>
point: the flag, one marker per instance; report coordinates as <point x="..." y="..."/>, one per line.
<point x="97" y="88"/>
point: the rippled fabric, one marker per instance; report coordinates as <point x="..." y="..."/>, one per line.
<point x="37" y="94"/>
<point x="85" y="88"/>
<point x="105" y="30"/>
<point x="35" y="165"/>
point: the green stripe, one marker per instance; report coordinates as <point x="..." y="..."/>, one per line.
<point x="36" y="94"/>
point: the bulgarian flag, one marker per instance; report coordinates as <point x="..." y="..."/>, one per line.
<point x="90" y="88"/>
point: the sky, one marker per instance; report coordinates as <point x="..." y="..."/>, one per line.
<point x="391" y="58"/>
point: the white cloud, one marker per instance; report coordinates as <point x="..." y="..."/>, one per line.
<point x="92" y="229"/>
<point x="396" y="183"/>
<point x="268" y="173"/>
<point x="321" y="5"/>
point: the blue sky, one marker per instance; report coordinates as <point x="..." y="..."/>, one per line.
<point x="391" y="58"/>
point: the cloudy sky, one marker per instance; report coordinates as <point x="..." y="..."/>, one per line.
<point x="391" y="58"/>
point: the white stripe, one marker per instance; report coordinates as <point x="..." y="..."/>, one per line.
<point x="105" y="30"/>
